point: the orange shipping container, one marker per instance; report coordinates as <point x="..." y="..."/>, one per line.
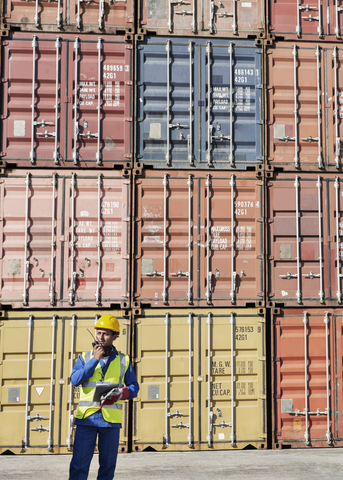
<point x="307" y="378"/>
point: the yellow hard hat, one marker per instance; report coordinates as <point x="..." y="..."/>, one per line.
<point x="108" y="321"/>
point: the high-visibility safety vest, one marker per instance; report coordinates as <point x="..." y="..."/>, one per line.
<point x="114" y="374"/>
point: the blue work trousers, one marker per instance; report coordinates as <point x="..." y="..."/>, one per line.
<point x="84" y="444"/>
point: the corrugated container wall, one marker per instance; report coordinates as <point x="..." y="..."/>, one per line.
<point x="66" y="101"/>
<point x="304" y="106"/>
<point x="38" y="404"/>
<point x="198" y="239"/>
<point x="304" y="214"/>
<point x="202" y="19"/>
<point x="103" y="17"/>
<point x="65" y="239"/>
<point x="307" y="378"/>
<point x="202" y="379"/>
<point x="296" y="20"/>
<point x="199" y="104"/>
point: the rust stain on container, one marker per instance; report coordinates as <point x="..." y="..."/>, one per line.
<point x="198" y="239"/>
<point x="74" y="16"/>
<point x="58" y="235"/>
<point x="295" y="19"/>
<point x="38" y="403"/>
<point x="307" y="372"/>
<point x="208" y="19"/>
<point x="304" y="239"/>
<point x="66" y="101"/>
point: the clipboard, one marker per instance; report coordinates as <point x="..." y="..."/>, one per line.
<point x="102" y="388"/>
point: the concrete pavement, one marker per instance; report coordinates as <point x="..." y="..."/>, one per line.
<point x="301" y="464"/>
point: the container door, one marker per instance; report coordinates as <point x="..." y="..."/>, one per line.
<point x="100" y="16"/>
<point x="167" y="118"/>
<point x="202" y="381"/>
<point x="230" y="240"/>
<point x="77" y="340"/>
<point x="30" y="398"/>
<point x="97" y="228"/>
<point x="30" y="254"/>
<point x="297" y="241"/>
<point x="296" y="89"/>
<point x="33" y="109"/>
<point x="99" y="120"/>
<point x="304" y="379"/>
<point x="34" y="15"/>
<point x="231" y="119"/>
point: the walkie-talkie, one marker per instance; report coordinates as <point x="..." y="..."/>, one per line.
<point x="95" y="342"/>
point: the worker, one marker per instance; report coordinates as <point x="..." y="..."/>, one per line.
<point x="102" y="364"/>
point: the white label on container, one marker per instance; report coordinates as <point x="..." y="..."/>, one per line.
<point x="246" y="4"/>
<point x="283" y="293"/>
<point x="84" y="213"/>
<point x="19" y="128"/>
<point x="155" y="239"/>
<point x="221" y="436"/>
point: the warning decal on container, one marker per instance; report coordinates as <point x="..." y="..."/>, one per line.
<point x="39" y="390"/>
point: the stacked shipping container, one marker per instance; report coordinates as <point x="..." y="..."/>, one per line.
<point x="187" y="179"/>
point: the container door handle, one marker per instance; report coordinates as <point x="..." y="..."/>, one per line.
<point x="98" y="153"/>
<point x="168" y="46"/>
<point x="233" y="423"/>
<point x="189" y="293"/>
<point x="306" y="8"/>
<point x="166" y="435"/>
<point x="27" y="400"/>
<point x="209" y="126"/>
<point x="233" y="242"/>
<point x="208" y="243"/>
<point x="26" y="261"/>
<point x="53" y="243"/>
<point x="321" y="291"/>
<point x="71" y="416"/>
<point x="210" y="413"/>
<point x="337" y="121"/>
<point x="101" y="14"/>
<point x="50" y="439"/>
<point x="76" y="123"/>
<point x="36" y="18"/>
<point x="164" y="293"/>
<point x="33" y="103"/>
<point x="190" y="136"/>
<point x="56" y="155"/>
<point x="338" y="254"/>
<point x="320" y="157"/>
<point x="337" y="28"/>
<point x="72" y="244"/>
<point x="328" y="431"/>
<point x="190" y="434"/>
<point x="296" y="156"/>
<point x="97" y="293"/>
<point x="231" y="157"/>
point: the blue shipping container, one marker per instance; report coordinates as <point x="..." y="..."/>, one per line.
<point x="199" y="103"/>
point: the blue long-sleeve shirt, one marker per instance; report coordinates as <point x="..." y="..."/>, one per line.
<point x="83" y="371"/>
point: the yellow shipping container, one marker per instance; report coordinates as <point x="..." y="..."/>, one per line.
<point x="37" y="352"/>
<point x="202" y="379"/>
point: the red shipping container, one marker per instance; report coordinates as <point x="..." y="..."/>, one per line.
<point x="307" y="378"/>
<point x="296" y="19"/>
<point x="73" y="16"/>
<point x="304" y="106"/>
<point x="198" y="239"/>
<point x="64" y="239"/>
<point x="206" y="19"/>
<point x="46" y="121"/>
<point x="304" y="214"/>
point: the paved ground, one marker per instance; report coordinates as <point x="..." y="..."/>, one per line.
<point x="323" y="464"/>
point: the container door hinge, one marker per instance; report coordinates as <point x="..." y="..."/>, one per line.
<point x="261" y="359"/>
<point x="277" y="359"/>
<point x="259" y="86"/>
<point x="260" y="122"/>
<point x="128" y="119"/>
<point x="129" y="82"/>
<point x="262" y="435"/>
<point x="276" y="322"/>
<point x="2" y="154"/>
<point x="259" y="50"/>
<point x="277" y="433"/>
<point x="277" y="396"/>
<point x="128" y="47"/>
